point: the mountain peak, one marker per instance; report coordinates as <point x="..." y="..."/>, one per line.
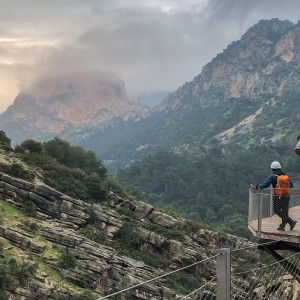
<point x="54" y="105"/>
<point x="246" y="94"/>
<point x="271" y="29"/>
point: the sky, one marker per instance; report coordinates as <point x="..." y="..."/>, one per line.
<point x="153" y="45"/>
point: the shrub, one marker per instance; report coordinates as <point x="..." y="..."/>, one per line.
<point x="101" y="238"/>
<point x="111" y="184"/>
<point x="130" y="242"/>
<point x="5" y="147"/>
<point x="125" y="212"/>
<point x="67" y="261"/>
<point x="169" y="233"/>
<point x="30" y="208"/>
<point x="182" y="282"/>
<point x="129" y="237"/>
<point x="89" y="233"/>
<point x="21" y="271"/>
<point x="29" y="226"/>
<point x="93" y="219"/>
<point x="74" y="157"/>
<point x="30" y="146"/>
<point x="3" y="295"/>
<point x="17" y="170"/>
<point x="95" y="190"/>
<point x="5" y="142"/>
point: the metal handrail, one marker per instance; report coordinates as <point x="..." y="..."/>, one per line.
<point x="261" y="205"/>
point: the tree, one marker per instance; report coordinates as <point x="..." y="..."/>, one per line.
<point x="74" y="157"/>
<point x="95" y="190"/>
<point x="5" y="142"/>
<point x="30" y="146"/>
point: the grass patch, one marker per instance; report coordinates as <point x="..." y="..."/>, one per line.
<point x="9" y="212"/>
<point x="182" y="282"/>
<point x="52" y="252"/>
<point x="129" y="242"/>
<point x="169" y="233"/>
<point x="53" y="274"/>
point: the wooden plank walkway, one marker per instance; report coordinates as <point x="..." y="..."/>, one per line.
<point x="269" y="227"/>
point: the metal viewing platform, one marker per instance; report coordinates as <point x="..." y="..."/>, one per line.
<point x="263" y="222"/>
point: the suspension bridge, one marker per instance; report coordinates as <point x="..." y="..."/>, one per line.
<point x="256" y="280"/>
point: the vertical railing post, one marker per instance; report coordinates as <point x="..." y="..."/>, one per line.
<point x="271" y="202"/>
<point x="223" y="274"/>
<point x="260" y="213"/>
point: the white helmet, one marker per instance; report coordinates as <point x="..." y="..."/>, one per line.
<point x="275" y="165"/>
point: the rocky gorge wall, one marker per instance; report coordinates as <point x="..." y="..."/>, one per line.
<point x="100" y="267"/>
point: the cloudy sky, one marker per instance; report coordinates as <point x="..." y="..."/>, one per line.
<point x="152" y="45"/>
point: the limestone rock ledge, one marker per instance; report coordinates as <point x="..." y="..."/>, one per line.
<point x="100" y="267"/>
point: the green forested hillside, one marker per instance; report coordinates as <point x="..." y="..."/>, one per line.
<point x="212" y="186"/>
<point x="67" y="168"/>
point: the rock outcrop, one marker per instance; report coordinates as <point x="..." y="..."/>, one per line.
<point x="61" y="221"/>
<point x="62" y="106"/>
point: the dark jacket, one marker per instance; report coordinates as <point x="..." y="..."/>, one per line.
<point x="272" y="179"/>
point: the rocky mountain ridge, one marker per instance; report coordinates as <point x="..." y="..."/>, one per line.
<point x="61" y="106"/>
<point x="248" y="94"/>
<point x="245" y="67"/>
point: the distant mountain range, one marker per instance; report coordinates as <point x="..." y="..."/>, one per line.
<point x="248" y="94"/>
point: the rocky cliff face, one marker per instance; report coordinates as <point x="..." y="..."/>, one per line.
<point x="63" y="105"/>
<point x="248" y="94"/>
<point x="264" y="62"/>
<point x="76" y="246"/>
<point x="60" y="224"/>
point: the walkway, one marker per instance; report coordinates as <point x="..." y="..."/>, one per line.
<point x="262" y="221"/>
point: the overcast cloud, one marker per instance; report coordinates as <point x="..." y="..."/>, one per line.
<point x="152" y="45"/>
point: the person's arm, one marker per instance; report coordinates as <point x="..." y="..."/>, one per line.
<point x="267" y="183"/>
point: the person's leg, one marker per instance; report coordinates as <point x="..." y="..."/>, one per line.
<point x="285" y="212"/>
<point x="278" y="211"/>
<point x="277" y="206"/>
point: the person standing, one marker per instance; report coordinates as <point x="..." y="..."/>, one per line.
<point x="281" y="184"/>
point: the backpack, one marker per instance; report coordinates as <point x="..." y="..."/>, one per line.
<point x="283" y="185"/>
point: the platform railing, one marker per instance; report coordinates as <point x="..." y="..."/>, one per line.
<point x="261" y="205"/>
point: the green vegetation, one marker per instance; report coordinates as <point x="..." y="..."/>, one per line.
<point x="211" y="187"/>
<point x="13" y="271"/>
<point x="130" y="243"/>
<point x="69" y="169"/>
<point x="85" y="295"/>
<point x="17" y="170"/>
<point x="125" y="212"/>
<point x="30" y="208"/>
<point x="5" y="142"/>
<point x="246" y="260"/>
<point x="67" y="261"/>
<point x="183" y="283"/>
<point x="169" y="233"/>
<point x="31" y="227"/>
<point x="88" y="233"/>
